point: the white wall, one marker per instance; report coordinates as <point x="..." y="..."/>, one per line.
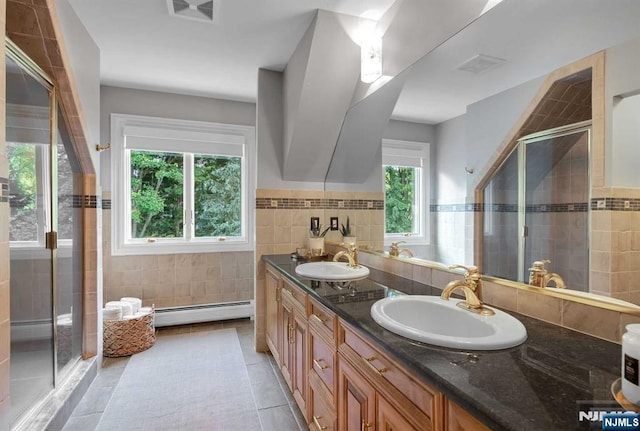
<point x="165" y="105"/>
<point x="270" y="135"/>
<point x="488" y="122"/>
<point x="449" y="177"/>
<point x="84" y="57"/>
<point x="626" y="142"/>
<point x="621" y="150"/>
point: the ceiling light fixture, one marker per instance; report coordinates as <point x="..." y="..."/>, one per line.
<point x="370" y="59"/>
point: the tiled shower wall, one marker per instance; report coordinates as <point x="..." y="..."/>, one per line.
<point x="615" y="243"/>
<point x="173" y="280"/>
<point x="283" y="222"/>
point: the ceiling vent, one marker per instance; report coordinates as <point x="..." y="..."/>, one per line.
<point x="480" y="63"/>
<point x="197" y="10"/>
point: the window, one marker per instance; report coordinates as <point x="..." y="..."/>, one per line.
<point x="405" y="171"/>
<point x="180" y="186"/>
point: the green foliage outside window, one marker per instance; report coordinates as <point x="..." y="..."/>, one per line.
<point x="399" y="198"/>
<point x="156" y="194"/>
<point x="218" y="206"/>
<point x="157" y="189"/>
<point x="22" y="177"/>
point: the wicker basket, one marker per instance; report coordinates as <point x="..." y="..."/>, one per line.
<point x="127" y="337"/>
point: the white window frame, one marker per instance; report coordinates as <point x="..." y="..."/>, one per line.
<point x="410" y="154"/>
<point x="187" y="137"/>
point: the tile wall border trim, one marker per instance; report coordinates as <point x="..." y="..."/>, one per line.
<point x="276" y="203"/>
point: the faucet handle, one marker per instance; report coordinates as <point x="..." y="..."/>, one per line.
<point x="397" y="243"/>
<point x="538" y="265"/>
<point x="351" y="247"/>
<point x="471" y="272"/>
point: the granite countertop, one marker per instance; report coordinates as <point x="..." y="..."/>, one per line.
<point x="539" y="385"/>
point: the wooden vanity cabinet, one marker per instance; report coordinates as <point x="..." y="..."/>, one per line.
<point x="294" y="357"/>
<point x="340" y="379"/>
<point x="356" y="400"/>
<point x="458" y="419"/>
<point x="273" y="284"/>
<point x="322" y="367"/>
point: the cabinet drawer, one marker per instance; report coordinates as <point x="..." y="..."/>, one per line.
<point x="424" y="398"/>
<point x="322" y="319"/>
<point x="298" y="295"/>
<point x="323" y="360"/>
<point x="322" y="414"/>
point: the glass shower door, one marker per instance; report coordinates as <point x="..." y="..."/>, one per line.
<point x="556" y="202"/>
<point x="28" y="136"/>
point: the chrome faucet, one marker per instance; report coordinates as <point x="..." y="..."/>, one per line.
<point x="395" y="251"/>
<point x="538" y="275"/>
<point x="471" y="286"/>
<point x="350" y="253"/>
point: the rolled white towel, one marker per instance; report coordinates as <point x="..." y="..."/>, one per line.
<point x="145" y="310"/>
<point x="136" y="303"/>
<point x="126" y="307"/>
<point x="112" y="313"/>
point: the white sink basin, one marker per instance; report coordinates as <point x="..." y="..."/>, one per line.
<point x="334" y="271"/>
<point x="433" y="320"/>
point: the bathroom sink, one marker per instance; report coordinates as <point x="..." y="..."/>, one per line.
<point x="334" y="271"/>
<point x="433" y="320"/>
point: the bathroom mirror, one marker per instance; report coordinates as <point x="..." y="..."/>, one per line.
<point x="475" y="87"/>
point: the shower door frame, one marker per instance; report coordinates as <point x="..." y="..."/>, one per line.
<point x="583" y="126"/>
<point x="51" y="237"/>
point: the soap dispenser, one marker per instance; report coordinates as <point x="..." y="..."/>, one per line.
<point x="630" y="361"/>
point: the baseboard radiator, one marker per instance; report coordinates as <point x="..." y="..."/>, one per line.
<point x="171" y="316"/>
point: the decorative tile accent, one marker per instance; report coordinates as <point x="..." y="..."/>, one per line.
<point x="299" y="203"/>
<point x="87" y="201"/>
<point x="615" y="204"/>
<point x="512" y="208"/>
<point x="106" y="204"/>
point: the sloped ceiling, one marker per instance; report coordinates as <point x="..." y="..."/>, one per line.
<point x="318" y="86"/>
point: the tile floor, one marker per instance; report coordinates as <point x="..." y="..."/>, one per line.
<point x="277" y="409"/>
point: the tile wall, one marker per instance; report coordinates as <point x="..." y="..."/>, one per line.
<point x="173" y="280"/>
<point x="615" y="243"/>
<point x="283" y="220"/>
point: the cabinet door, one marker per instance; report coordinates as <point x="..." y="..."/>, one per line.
<point x="389" y="419"/>
<point x="272" y="298"/>
<point x="299" y="360"/>
<point x="286" y="335"/>
<point x="457" y="419"/>
<point x="356" y="400"/>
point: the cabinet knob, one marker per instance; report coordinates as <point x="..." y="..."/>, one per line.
<point x="366" y="425"/>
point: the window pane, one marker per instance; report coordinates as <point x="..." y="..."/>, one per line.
<point x="156" y="194"/>
<point x="218" y="197"/>
<point x="399" y="199"/>
<point x="24" y="198"/>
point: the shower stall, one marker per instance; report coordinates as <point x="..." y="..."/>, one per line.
<point x="45" y="234"/>
<point x="536" y="207"/>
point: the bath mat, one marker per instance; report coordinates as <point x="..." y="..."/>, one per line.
<point x="188" y="382"/>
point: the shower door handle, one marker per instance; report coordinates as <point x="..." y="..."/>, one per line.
<point x="525" y="231"/>
<point x="51" y="240"/>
